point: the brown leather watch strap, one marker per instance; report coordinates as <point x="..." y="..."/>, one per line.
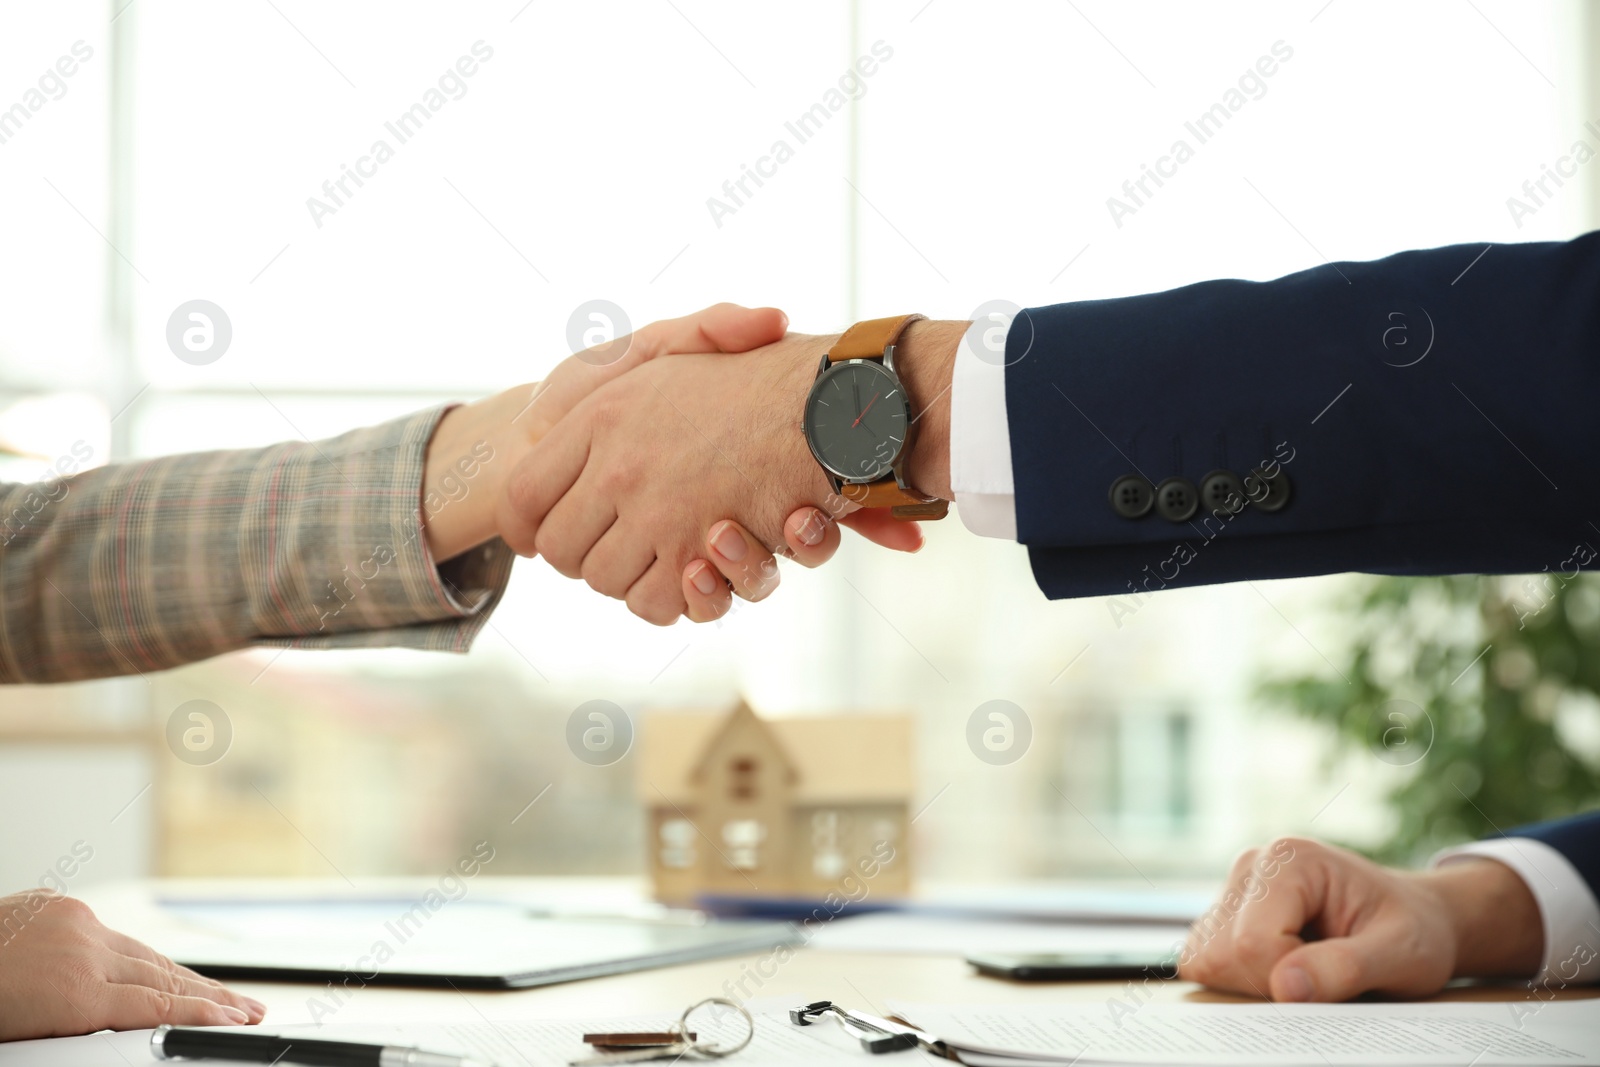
<point x="883" y="493"/>
<point x="886" y="493"/>
<point x="868" y="339"/>
<point x="932" y="509"/>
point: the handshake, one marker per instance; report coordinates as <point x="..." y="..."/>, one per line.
<point x="669" y="467"/>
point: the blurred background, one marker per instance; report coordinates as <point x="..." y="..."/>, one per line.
<point x="577" y="162"/>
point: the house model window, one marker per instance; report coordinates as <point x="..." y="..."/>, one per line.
<point x="742" y="806"/>
<point x="742" y="780"/>
<point x="743" y="838"/>
<point x="677" y="844"/>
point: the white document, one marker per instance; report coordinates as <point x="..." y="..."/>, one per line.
<point x="1500" y="1034"/>
<point x="1513" y="1034"/>
<point x="542" y="1043"/>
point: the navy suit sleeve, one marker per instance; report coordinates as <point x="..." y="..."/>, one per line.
<point x="1427" y="421"/>
<point x="1577" y="838"/>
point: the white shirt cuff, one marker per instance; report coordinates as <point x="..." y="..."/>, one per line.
<point x="1567" y="905"/>
<point x="980" y="435"/>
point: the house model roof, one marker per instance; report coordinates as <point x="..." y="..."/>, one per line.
<point x="834" y="759"/>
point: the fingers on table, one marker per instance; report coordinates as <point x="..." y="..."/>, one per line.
<point x="123" y="944"/>
<point x="139" y="1007"/>
<point x="128" y="971"/>
<point x="136" y="963"/>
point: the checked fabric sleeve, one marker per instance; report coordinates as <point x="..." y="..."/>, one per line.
<point x="141" y="566"/>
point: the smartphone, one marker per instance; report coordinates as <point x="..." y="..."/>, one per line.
<point x="1073" y="966"/>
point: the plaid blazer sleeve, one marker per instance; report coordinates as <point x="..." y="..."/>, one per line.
<point x="142" y="566"/>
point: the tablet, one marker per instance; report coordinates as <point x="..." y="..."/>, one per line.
<point x="464" y="944"/>
<point x="1073" y="966"/>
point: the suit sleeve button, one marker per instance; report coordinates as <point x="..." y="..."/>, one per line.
<point x="1132" y="496"/>
<point x="1268" y="494"/>
<point x="1176" y="499"/>
<point x="1222" y="491"/>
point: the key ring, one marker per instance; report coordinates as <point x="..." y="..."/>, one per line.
<point x="709" y="1049"/>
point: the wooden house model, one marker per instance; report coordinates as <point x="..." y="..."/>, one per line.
<point x="787" y="807"/>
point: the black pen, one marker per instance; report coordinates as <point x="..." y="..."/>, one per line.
<point x="173" y="1043"/>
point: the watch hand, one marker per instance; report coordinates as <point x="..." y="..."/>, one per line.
<point x="864" y="410"/>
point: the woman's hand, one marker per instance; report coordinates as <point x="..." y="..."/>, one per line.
<point x="475" y="446"/>
<point x="718" y="328"/>
<point x="739" y="564"/>
<point x="63" y="973"/>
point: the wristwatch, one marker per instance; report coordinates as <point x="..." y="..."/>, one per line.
<point x="859" y="424"/>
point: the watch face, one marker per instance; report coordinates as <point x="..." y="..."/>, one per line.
<point x="856" y="420"/>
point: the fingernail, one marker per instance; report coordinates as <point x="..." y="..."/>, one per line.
<point x="255" y="1005"/>
<point x="811" y="528"/>
<point x="729" y="545"/>
<point x="1295" y="985"/>
<point x="702" y="579"/>
<point x="235" y="1014"/>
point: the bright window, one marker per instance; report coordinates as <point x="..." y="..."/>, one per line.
<point x="607" y="151"/>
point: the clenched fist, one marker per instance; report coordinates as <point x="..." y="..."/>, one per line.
<point x="1301" y="920"/>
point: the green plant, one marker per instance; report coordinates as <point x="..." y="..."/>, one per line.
<point x="1482" y="692"/>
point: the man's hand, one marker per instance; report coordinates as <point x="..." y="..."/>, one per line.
<point x="1303" y="921"/>
<point x="62" y="973"/>
<point x="461" y="488"/>
<point x="622" y="491"/>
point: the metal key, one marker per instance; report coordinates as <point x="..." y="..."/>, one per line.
<point x="680" y="1041"/>
<point x="637" y="1038"/>
<point x="635" y="1055"/>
